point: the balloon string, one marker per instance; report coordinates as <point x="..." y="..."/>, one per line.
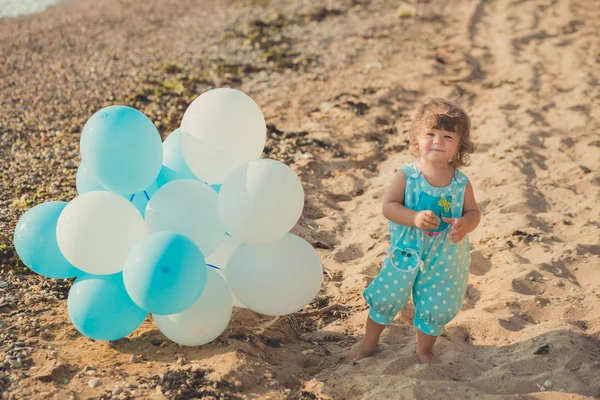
<point x="213" y="266"/>
<point x="133" y="195"/>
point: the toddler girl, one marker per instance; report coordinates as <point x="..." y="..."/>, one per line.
<point x="431" y="208"/>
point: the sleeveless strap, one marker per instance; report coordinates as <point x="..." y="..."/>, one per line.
<point x="460" y="178"/>
<point x="410" y="170"/>
<point x="410" y="193"/>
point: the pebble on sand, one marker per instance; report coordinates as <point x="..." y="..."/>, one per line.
<point x="94" y="383"/>
<point x="406" y="11"/>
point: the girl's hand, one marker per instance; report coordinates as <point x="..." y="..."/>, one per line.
<point x="458" y="229"/>
<point x="426" y="220"/>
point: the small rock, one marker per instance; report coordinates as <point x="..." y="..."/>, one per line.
<point x="405" y="11"/>
<point x="532" y="278"/>
<point x="181" y="361"/>
<point x="559" y="283"/>
<point x="543" y="349"/>
<point x="196" y="367"/>
<point x="94" y="383"/>
<point x="156" y="342"/>
<point x="3" y="285"/>
<point x="90" y="367"/>
<point x="91" y="372"/>
<point x="548" y="384"/>
<point x="239" y="385"/>
<point x="376" y="66"/>
<point x="117" y="391"/>
<point x="325" y="107"/>
<point x="133" y="358"/>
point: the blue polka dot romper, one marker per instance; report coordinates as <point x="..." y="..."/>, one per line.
<point x="425" y="263"/>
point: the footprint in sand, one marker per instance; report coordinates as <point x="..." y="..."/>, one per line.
<point x="348" y="253"/>
<point x="480" y="265"/>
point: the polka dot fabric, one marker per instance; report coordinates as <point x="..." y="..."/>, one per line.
<point x="431" y="267"/>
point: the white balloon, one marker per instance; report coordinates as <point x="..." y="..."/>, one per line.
<point x="222" y="254"/>
<point x="205" y="320"/>
<point x="220" y="130"/>
<point x="188" y="207"/>
<point x="220" y="257"/>
<point x="234" y="300"/>
<point x="260" y="201"/>
<point x="96" y="231"/>
<point x="277" y="278"/>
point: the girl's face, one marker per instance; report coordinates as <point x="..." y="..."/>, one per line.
<point x="437" y="146"/>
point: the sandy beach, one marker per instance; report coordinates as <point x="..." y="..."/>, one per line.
<point x="338" y="84"/>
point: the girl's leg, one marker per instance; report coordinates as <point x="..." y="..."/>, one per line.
<point x="365" y="347"/>
<point x="425" y="347"/>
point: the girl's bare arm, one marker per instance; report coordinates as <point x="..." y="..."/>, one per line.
<point x="471" y="214"/>
<point x="394" y="210"/>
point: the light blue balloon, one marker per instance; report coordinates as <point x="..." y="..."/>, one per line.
<point x="101" y="309"/>
<point x="36" y="245"/>
<point x="122" y="149"/>
<point x="165" y="273"/>
<point x="86" y="182"/>
<point x="173" y="165"/>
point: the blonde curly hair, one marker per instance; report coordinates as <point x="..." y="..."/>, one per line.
<point x="442" y="114"/>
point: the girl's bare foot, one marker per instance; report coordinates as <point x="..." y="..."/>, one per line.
<point x="425" y="357"/>
<point x="365" y="347"/>
<point x="425" y="347"/>
<point x="360" y="351"/>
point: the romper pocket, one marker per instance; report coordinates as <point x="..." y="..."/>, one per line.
<point x="391" y="288"/>
<point x="403" y="259"/>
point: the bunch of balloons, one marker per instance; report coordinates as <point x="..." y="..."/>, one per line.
<point x="184" y="229"/>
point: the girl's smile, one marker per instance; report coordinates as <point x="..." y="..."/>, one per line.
<point x="437" y="145"/>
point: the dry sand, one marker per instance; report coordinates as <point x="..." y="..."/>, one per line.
<point x="338" y="86"/>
